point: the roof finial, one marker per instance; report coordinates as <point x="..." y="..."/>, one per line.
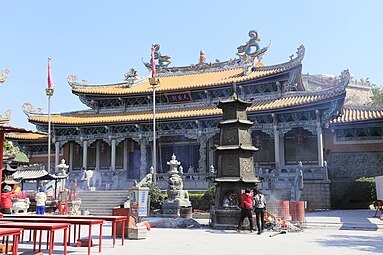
<point x="202" y="57"/>
<point x="234" y="88"/>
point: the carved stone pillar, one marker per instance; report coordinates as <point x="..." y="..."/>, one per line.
<point x="71" y="150"/>
<point x="276" y="144"/>
<point x="143" y="166"/>
<point x="202" y="154"/>
<point x="126" y="155"/>
<point x="210" y="152"/>
<point x="113" y="155"/>
<point x="57" y="153"/>
<point x="85" y="154"/>
<point x="320" y="139"/>
<point x="97" y="154"/>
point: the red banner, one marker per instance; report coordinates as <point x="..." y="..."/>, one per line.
<point x="50" y="80"/>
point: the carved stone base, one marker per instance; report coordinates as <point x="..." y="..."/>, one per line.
<point x="225" y="219"/>
<point x="186" y="212"/>
<point x="171" y="211"/>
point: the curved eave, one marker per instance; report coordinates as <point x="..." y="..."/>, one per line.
<point x="236" y="147"/>
<point x="81" y="119"/>
<point x="27" y="136"/>
<point x="237" y="179"/>
<point x="245" y="122"/>
<point x="287" y="102"/>
<point x="233" y="99"/>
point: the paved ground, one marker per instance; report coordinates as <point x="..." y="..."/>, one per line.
<point x="327" y="232"/>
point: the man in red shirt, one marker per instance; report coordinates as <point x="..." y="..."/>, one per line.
<point x="246" y="209"/>
<point x="6" y="200"/>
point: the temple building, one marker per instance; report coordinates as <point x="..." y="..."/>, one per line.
<point x="294" y="124"/>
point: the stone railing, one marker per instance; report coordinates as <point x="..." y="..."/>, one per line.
<point x="289" y="172"/>
<point x="192" y="182"/>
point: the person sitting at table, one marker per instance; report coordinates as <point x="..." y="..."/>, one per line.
<point x="6" y="200"/>
<point x="41" y="198"/>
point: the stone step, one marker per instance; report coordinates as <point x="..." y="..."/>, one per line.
<point x="102" y="202"/>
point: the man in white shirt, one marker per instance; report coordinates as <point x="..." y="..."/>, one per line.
<point x="41" y="198"/>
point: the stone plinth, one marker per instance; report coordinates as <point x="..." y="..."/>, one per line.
<point x="225" y="218"/>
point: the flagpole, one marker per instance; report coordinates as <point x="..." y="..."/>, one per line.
<point x="49" y="93"/>
<point x="153" y="81"/>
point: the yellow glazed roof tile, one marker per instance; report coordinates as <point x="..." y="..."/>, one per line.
<point x="358" y="114"/>
<point x="169" y="83"/>
<point x="26" y="136"/>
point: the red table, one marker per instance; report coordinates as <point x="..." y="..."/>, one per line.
<point x="113" y="219"/>
<point x="15" y="232"/>
<point x="88" y="222"/>
<point x="50" y="227"/>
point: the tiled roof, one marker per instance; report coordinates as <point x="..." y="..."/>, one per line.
<point x="353" y="114"/>
<point x="188" y="81"/>
<point x="36" y="174"/>
<point x="26" y="136"/>
<point x="29" y="174"/>
<point x="259" y="105"/>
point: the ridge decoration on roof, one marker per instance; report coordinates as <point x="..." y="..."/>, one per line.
<point x="190" y="77"/>
<point x="4" y="75"/>
<point x="162" y="61"/>
<point x="6" y="117"/>
<point x="246" y="53"/>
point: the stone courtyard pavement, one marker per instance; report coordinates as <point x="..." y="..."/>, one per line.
<point x="326" y="232"/>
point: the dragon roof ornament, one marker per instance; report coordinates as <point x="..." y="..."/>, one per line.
<point x="248" y="54"/>
<point x="5" y="117"/>
<point x="161" y="61"/>
<point x="4" y="74"/>
<point x="73" y="80"/>
<point x="29" y="109"/>
<point x="131" y="79"/>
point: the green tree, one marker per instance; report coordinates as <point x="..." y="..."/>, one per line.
<point x="377" y="95"/>
<point x="156" y="197"/>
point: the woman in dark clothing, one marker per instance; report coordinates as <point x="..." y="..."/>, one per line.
<point x="259" y="203"/>
<point x="246" y="209"/>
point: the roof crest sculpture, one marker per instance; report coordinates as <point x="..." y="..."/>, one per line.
<point x="246" y="52"/>
<point x="131" y="79"/>
<point x="4" y="74"/>
<point x="30" y="110"/>
<point x="6" y="117"/>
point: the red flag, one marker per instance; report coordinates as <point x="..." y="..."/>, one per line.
<point x="153" y="64"/>
<point x="50" y="80"/>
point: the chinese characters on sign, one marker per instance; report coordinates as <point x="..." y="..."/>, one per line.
<point x="139" y="201"/>
<point x="180" y="97"/>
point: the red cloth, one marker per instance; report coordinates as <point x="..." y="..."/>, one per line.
<point x="50" y="80"/>
<point x="247" y="200"/>
<point x="6" y="199"/>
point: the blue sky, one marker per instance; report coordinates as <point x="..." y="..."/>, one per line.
<point x="100" y="41"/>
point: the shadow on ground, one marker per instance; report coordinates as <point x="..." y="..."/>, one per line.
<point x="361" y="243"/>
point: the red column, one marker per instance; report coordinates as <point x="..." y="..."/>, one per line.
<point x="1" y="157"/>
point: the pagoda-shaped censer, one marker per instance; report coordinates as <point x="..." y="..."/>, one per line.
<point x="235" y="170"/>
